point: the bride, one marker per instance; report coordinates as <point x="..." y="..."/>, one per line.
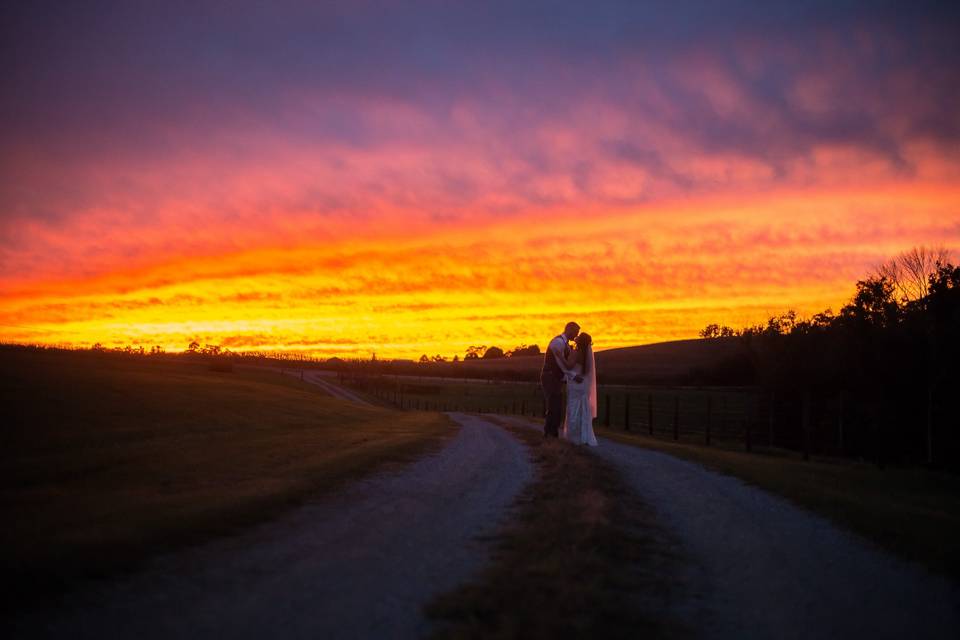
<point x="581" y="396"/>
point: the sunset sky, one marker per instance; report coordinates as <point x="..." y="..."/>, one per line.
<point x="344" y="178"/>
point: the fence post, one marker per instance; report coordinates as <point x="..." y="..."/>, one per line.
<point x="929" y="424"/>
<point x="606" y="415"/>
<point x="709" y="414"/>
<point x="746" y="434"/>
<point x="676" y="417"/>
<point x="513" y="410"/>
<point x="773" y="402"/>
<point x="840" y="425"/>
<point x="650" y="412"/>
<point x="806" y="426"/>
<point x="523" y="407"/>
<point x="626" y="412"/>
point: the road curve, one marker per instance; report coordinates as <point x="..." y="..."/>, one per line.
<point x="334" y="390"/>
<point x="764" y="568"/>
<point x="360" y="565"/>
<point x="317" y="378"/>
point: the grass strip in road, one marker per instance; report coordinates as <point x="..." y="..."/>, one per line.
<point x="580" y="557"/>
<point x="107" y="461"/>
<point x="912" y="512"/>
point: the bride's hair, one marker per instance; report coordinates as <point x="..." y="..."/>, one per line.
<point x="584" y="344"/>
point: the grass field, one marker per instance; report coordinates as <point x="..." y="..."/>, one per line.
<point x="660" y="362"/>
<point x="107" y="460"/>
<point x="912" y="512"/>
<point x="579" y="558"/>
<point x="727" y="409"/>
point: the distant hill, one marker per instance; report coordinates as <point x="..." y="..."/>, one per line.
<point x="713" y="361"/>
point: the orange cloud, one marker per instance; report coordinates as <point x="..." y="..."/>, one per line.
<point x="640" y="275"/>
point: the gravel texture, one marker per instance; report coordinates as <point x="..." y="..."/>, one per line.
<point x="761" y="567"/>
<point x="360" y="565"/>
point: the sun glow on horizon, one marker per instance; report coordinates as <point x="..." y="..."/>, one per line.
<point x="637" y="276"/>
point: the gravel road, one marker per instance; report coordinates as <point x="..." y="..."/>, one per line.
<point x="763" y="568"/>
<point x="333" y="389"/>
<point x="360" y="565"/>
<point x="329" y="387"/>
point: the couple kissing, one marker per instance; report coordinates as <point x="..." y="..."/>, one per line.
<point x="576" y="369"/>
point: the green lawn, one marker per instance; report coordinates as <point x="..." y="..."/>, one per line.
<point x="107" y="460"/>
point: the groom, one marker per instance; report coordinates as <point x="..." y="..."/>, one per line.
<point x="554" y="374"/>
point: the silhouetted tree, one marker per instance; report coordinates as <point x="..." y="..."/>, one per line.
<point x="717" y="331"/>
<point x="524" y="350"/>
<point x="474" y="353"/>
<point x="873" y="304"/>
<point x="885" y="361"/>
<point x="493" y="353"/>
<point x="910" y="272"/>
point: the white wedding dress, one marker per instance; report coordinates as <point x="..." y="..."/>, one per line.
<point x="582" y="405"/>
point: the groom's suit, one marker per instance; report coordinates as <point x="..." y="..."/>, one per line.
<point x="552" y="377"/>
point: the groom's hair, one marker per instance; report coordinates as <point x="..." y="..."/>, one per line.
<point x="572" y="325"/>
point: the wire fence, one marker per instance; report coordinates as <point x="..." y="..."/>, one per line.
<point x="750" y="419"/>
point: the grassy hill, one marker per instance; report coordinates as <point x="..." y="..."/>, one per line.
<point x="108" y="459"/>
<point x="673" y="361"/>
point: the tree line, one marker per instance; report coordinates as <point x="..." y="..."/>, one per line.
<point x="888" y="359"/>
<point x="483" y="352"/>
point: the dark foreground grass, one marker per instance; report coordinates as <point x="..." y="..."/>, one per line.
<point x="579" y="558"/>
<point x="107" y="461"/>
<point x="912" y="512"/>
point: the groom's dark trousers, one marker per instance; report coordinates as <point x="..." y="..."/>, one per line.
<point x="553" y="394"/>
<point x="551" y="379"/>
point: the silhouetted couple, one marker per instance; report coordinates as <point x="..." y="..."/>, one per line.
<point x="575" y="368"/>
